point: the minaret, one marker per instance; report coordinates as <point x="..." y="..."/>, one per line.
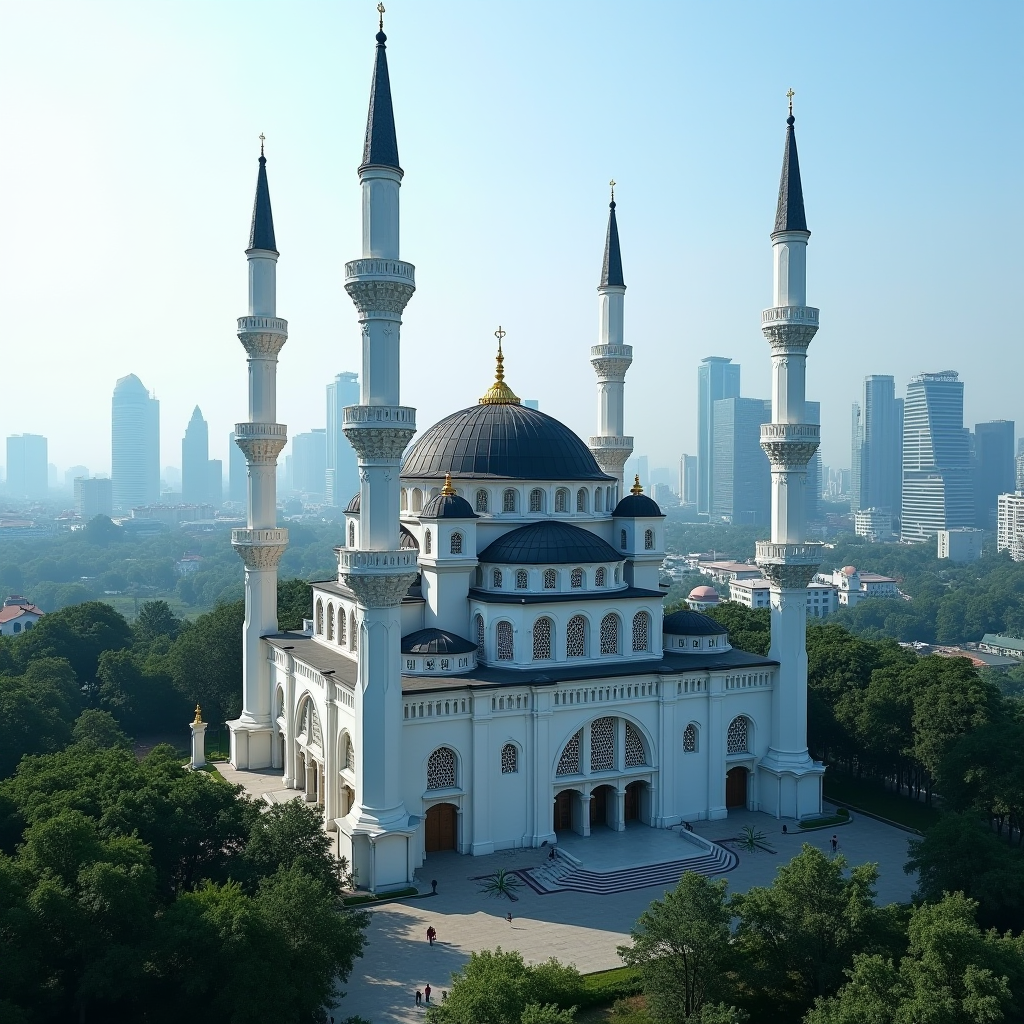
<point x="261" y="544"/>
<point x="611" y="359"/>
<point x="790" y="784"/>
<point x="380" y="571"/>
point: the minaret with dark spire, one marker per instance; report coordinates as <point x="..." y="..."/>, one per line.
<point x="377" y="835"/>
<point x="261" y="544"/>
<point x="790" y="783"/>
<point x="611" y="358"/>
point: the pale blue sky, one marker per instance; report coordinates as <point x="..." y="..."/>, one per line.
<point x="129" y="134"/>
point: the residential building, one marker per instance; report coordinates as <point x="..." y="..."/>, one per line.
<point x="27" y="467"/>
<point x="742" y="476"/>
<point x="1010" y="525"/>
<point x="688" y="479"/>
<point x="995" y="470"/>
<point x="342" y="470"/>
<point x="853" y="585"/>
<point x="134" y="444"/>
<point x="962" y="544"/>
<point x="822" y="598"/>
<point x="717" y="378"/>
<point x="309" y="463"/>
<point x="17" y="615"/>
<point x="873" y="523"/>
<point x="726" y="571"/>
<point x="877" y="446"/>
<point x="937" y="487"/>
<point x="94" y="497"/>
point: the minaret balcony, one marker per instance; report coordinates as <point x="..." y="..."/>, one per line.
<point x="789" y="315"/>
<point x="259" y="538"/>
<point x="768" y="553"/>
<point x="611" y="352"/>
<point x="353" y="562"/>
<point x="380" y="416"/>
<point x="611" y="441"/>
<point x="262" y="325"/>
<point x="790" y="445"/>
<point x="261" y="431"/>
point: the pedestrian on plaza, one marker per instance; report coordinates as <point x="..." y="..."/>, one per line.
<point x="419" y="997"/>
<point x="835" y="843"/>
<point x="431" y="934"/>
<point x="785" y="831"/>
<point x="426" y="993"/>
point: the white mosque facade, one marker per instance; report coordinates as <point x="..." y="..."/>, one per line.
<point x="492" y="664"/>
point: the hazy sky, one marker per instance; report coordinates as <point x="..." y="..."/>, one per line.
<point x="129" y="146"/>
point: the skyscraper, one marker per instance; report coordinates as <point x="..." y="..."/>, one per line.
<point x="309" y="462"/>
<point x="937" y="487"/>
<point x="342" y="470"/>
<point x="717" y="378"/>
<point x="995" y="471"/>
<point x="27" y="468"/>
<point x="742" y="476"/>
<point x="134" y="445"/>
<point x="688" y="479"/>
<point x="877" y="446"/>
<point x="195" y="461"/>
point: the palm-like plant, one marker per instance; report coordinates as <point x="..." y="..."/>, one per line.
<point x="502" y="883"/>
<point x="751" y="840"/>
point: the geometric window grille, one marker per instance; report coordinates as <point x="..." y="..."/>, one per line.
<point x="342" y="632"/>
<point x="509" y="759"/>
<point x="320" y="618"/>
<point x="561" y="500"/>
<point x="536" y="500"/>
<point x="481" y="501"/>
<point x="480" y="633"/>
<point x="602" y="745"/>
<point x="456" y="546"/>
<point x="635" y="755"/>
<point x="550" y="579"/>
<point x="427" y="543"/>
<point x="648" y="540"/>
<point x="542" y="640"/>
<point x="640" y="631"/>
<point x="522" y="579"/>
<point x="353" y="640"/>
<point x="622" y="539"/>
<point x="503" y="640"/>
<point x="441" y="769"/>
<point x="576" y="579"/>
<point x="576" y="637"/>
<point x="508" y="501"/>
<point x="736" y="738"/>
<point x="599" y="576"/>
<point x="690" y="739"/>
<point x="496" y="579"/>
<point x="330" y="622"/>
<point x="610" y="634"/>
<point x="569" y="762"/>
<point x="581" y="500"/>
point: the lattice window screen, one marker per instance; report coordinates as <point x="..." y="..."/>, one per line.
<point x="569" y="762"/>
<point x="602" y="745"/>
<point x="441" y="769"/>
<point x="635" y="755"/>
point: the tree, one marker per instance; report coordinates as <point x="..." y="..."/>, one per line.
<point x="294" y="603"/>
<point x="681" y="948"/>
<point x="155" y="619"/>
<point x="102" y="530"/>
<point x="37" y="710"/>
<point x="98" y="728"/>
<point x="205" y="661"/>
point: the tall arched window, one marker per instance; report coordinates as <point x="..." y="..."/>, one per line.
<point x="599" y="576"/>
<point x="503" y="641"/>
<point x="479" y="626"/>
<point x="737" y="738"/>
<point x="599" y="499"/>
<point x="641" y="631"/>
<point x="690" y="739"/>
<point x="576" y="637"/>
<point x="581" y="500"/>
<point x="542" y="640"/>
<point x="610" y="634"/>
<point x="616" y="574"/>
<point x="509" y="759"/>
<point x="481" y="500"/>
<point x="417" y="499"/>
<point x="456" y="545"/>
<point x="404" y="501"/>
<point x="536" y="500"/>
<point x="576" y="579"/>
<point x="348" y="753"/>
<point x="508" y="500"/>
<point x="648" y="540"/>
<point x="562" y="500"/>
<point x="522" y="579"/>
<point x="353" y="634"/>
<point x="441" y="769"/>
<point x="622" y="539"/>
<point x="351" y="535"/>
<point x="550" y="579"/>
<point x="319" y="618"/>
<point x="342" y="630"/>
<point x="428" y="543"/>
<point x="330" y="622"/>
<point x="496" y="579"/>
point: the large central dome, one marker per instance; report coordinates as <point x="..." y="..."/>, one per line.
<point x="506" y="441"/>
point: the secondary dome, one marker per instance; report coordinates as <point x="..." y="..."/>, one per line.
<point x="637" y="505"/>
<point x="448" y="504"/>
<point x="548" y="543"/>
<point x="849" y="570"/>
<point x="353" y="505"/>
<point x="704" y="594"/>
<point x="436" y="641"/>
<point x="684" y="623"/>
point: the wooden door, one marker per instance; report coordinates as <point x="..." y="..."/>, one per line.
<point x="563" y="811"/>
<point x="440" y="828"/>
<point x="736" y="788"/>
<point x="631" y="807"/>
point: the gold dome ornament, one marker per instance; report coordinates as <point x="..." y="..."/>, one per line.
<point x="636" y="488"/>
<point x="499" y="393"/>
<point x="448" y="491"/>
<point x="198" y="720"/>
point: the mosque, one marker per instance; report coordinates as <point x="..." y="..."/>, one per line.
<point x="492" y="665"/>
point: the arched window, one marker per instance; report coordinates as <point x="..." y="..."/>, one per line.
<point x="319" y="618"/>
<point x="616" y="574"/>
<point x="309" y="724"/>
<point x="598" y="499"/>
<point x="599" y="576"/>
<point x="17" y="627"/>
<point x="536" y="500"/>
<point x="351" y="535"/>
<point x="508" y="500"/>
<point x="428" y="543"/>
<point x="509" y="759"/>
<point x="690" y="739"/>
<point x="602" y="745"/>
<point x="522" y="579"/>
<point x="550" y="579"/>
<point x="635" y="755"/>
<point x="417" y="499"/>
<point x="342" y="631"/>
<point x="496" y="579"/>
<point x="481" y="500"/>
<point x="479" y="576"/>
<point x="576" y="637"/>
<point x="641" y="631"/>
<point x="456" y="545"/>
<point x="610" y="634"/>
<point x="542" y="640"/>
<point x="404" y="503"/>
<point x="353" y="635"/>
<point x="576" y="579"/>
<point x="736" y="738"/>
<point x="648" y="540"/>
<point x="441" y="769"/>
<point x="479" y="624"/>
<point x="562" y="500"/>
<point x="581" y="500"/>
<point x="503" y="641"/>
<point x="569" y="762"/>
<point x="622" y="539"/>
<point x="348" y="753"/>
<point x="330" y="622"/>
<point x="280" y="702"/>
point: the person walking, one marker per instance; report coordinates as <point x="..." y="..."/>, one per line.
<point x="431" y="934"/>
<point x="835" y="843"/>
<point x="426" y="993"/>
<point x="419" y="997"/>
<point x="508" y="917"/>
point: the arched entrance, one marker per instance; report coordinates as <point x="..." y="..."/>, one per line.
<point x="633" y="808"/>
<point x="736" y="787"/>
<point x="602" y="806"/>
<point x="563" y="810"/>
<point x="441" y="828"/>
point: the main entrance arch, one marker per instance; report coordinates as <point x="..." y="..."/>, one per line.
<point x="602" y="806"/>
<point x="736" y="787"/>
<point x="441" y="828"/>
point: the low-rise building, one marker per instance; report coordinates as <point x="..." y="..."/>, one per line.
<point x="18" y="614"/>
<point x="702" y="598"/>
<point x="822" y="598"/>
<point x="725" y="572"/>
<point x="1005" y="646"/>
<point x="962" y="544"/>
<point x="873" y="523"/>
<point x="853" y="585"/>
<point x="174" y="514"/>
<point x="1010" y="525"/>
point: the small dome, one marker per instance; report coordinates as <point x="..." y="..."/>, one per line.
<point x="436" y="641"/>
<point x="549" y="543"/>
<point x="353" y="505"/>
<point x="638" y="506"/>
<point x="448" y="506"/>
<point x="704" y="594"/>
<point x="687" y="623"/>
<point x="849" y="570"/>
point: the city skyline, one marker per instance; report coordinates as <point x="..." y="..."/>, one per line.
<point x="170" y="189"/>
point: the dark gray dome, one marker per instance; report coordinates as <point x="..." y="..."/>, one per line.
<point x="687" y="623"/>
<point x="436" y="641"/>
<point x="638" y="506"/>
<point x="549" y="542"/>
<point x="448" y="506"/>
<point x="506" y="441"/>
<point x="353" y="505"/>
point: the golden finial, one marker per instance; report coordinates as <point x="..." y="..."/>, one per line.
<point x="263" y="139"/>
<point x="499" y="393"/>
<point x="198" y="720"/>
<point x="636" y="488"/>
<point x="612" y="185"/>
<point x="380" y="11"/>
<point x="789" y="96"/>
<point x="447" y="490"/>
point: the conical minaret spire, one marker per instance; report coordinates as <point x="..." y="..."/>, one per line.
<point x="261" y="544"/>
<point x="611" y="358"/>
<point x="791" y="785"/>
<point x="380" y="147"/>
